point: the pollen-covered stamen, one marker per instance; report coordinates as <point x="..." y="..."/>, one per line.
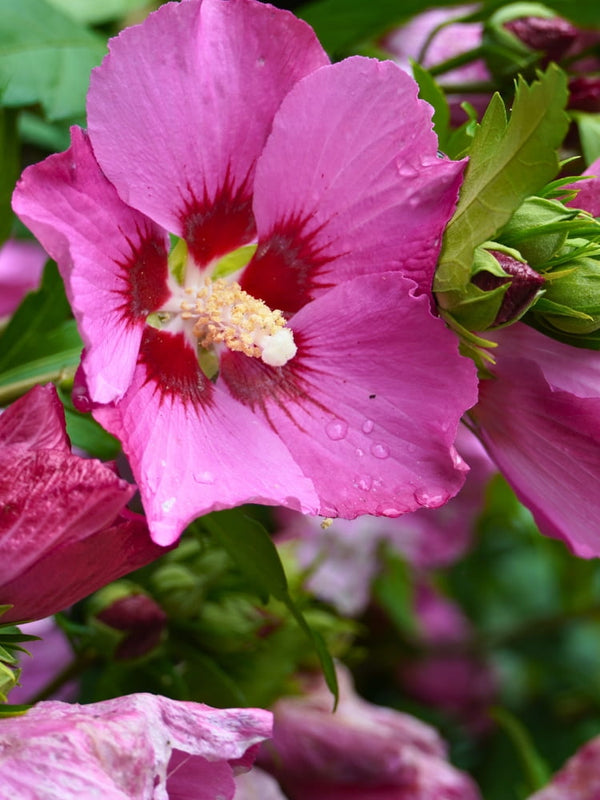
<point x="225" y="314"/>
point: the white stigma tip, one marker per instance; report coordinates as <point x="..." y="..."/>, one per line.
<point x="278" y="348"/>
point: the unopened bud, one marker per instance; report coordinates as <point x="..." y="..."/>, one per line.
<point x="140" y="619"/>
<point x="551" y="36"/>
<point x="584" y="93"/>
<point x="524" y="287"/>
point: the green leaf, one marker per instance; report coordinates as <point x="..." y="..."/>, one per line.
<point x="96" y="11"/>
<point x="509" y="161"/>
<point x="9" y="168"/>
<point x="583" y="12"/>
<point x="342" y="24"/>
<point x="41" y="341"/>
<point x="45" y="58"/>
<point x="431" y="92"/>
<point x="536" y="771"/>
<point x="394" y="589"/>
<point x="252" y="549"/>
<point x="588" y="126"/>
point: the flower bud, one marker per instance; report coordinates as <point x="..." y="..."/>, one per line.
<point x="584" y="93"/>
<point x="524" y="285"/>
<point x="575" y="297"/>
<point x="134" y="619"/>
<point x="552" y="36"/>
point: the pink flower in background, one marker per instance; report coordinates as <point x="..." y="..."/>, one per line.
<point x="448" y="675"/>
<point x="287" y="356"/>
<point x="64" y="528"/>
<point x="539" y="418"/>
<point x="360" y="751"/>
<point x="257" y="785"/>
<point x="453" y="39"/>
<point x="579" y="779"/>
<point x="48" y="657"/>
<point x="345" y="558"/>
<point x="21" y="265"/>
<point x="141" y="745"/>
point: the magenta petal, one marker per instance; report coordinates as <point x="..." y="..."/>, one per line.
<point x="380" y="389"/>
<point x="192" y="454"/>
<point x="349" y="183"/>
<point x="21" y="265"/>
<point x="176" y="131"/>
<point x="588" y="191"/>
<point x="121" y="749"/>
<point x="579" y="778"/>
<point x="35" y="422"/>
<point x="112" y="259"/>
<point x="540" y="421"/>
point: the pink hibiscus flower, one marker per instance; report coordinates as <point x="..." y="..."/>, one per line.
<point x="361" y="751"/>
<point x="141" y="746"/>
<point x="579" y="779"/>
<point x="285" y="357"/>
<point x="539" y="420"/>
<point x="21" y="265"/>
<point x="64" y="528"/>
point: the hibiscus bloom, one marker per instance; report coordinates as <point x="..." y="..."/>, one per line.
<point x="360" y="751"/>
<point x="64" y="528"/>
<point x="21" y="265"/>
<point x="281" y="352"/>
<point x="141" y="746"/>
<point x="579" y="779"/>
<point x="539" y="420"/>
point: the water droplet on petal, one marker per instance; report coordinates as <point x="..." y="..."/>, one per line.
<point x="168" y="504"/>
<point x="359" y="452"/>
<point x="380" y="450"/>
<point x="388" y="511"/>
<point x="364" y="482"/>
<point x="429" y="499"/>
<point x="204" y="477"/>
<point x="336" y="430"/>
<point x="368" y="426"/>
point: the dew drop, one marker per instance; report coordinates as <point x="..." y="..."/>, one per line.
<point x="364" y="482"/>
<point x="204" y="477"/>
<point x="359" y="452"/>
<point x="428" y="499"/>
<point x="336" y="430"/>
<point x="368" y="426"/>
<point x="168" y="505"/>
<point x="380" y="450"/>
<point x="389" y="511"/>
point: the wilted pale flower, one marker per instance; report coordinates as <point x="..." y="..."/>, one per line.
<point x="280" y="353"/>
<point x="64" y="528"/>
<point x="140" y="746"/>
<point x="359" y="751"/>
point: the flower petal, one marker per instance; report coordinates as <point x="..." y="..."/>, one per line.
<point x="120" y="748"/>
<point x="35" y="422"/>
<point x="195" y="453"/>
<point x="544" y="434"/>
<point x="349" y="184"/>
<point x="21" y="265"/>
<point x="179" y="134"/>
<point x="112" y="259"/>
<point x="372" y="400"/>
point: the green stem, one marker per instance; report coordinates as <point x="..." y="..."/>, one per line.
<point x="12" y="391"/>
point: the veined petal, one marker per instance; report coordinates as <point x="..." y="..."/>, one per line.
<point x="179" y="134"/>
<point x="349" y="184"/>
<point x="83" y="565"/>
<point x="121" y="748"/>
<point x="35" y="422"/>
<point x="194" y="449"/>
<point x="542" y="428"/>
<point x="113" y="260"/>
<point x="370" y="405"/>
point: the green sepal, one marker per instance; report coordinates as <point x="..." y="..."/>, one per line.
<point x="432" y="93"/>
<point x="508" y="161"/>
<point x="252" y="549"/>
<point x="533" y="230"/>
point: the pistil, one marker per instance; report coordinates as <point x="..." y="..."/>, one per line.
<point x="224" y="313"/>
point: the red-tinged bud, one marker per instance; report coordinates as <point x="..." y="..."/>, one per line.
<point x="551" y="36"/>
<point x="584" y="93"/>
<point x="525" y="284"/>
<point x="142" y="621"/>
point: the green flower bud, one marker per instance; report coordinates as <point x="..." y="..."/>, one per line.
<point x="572" y="300"/>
